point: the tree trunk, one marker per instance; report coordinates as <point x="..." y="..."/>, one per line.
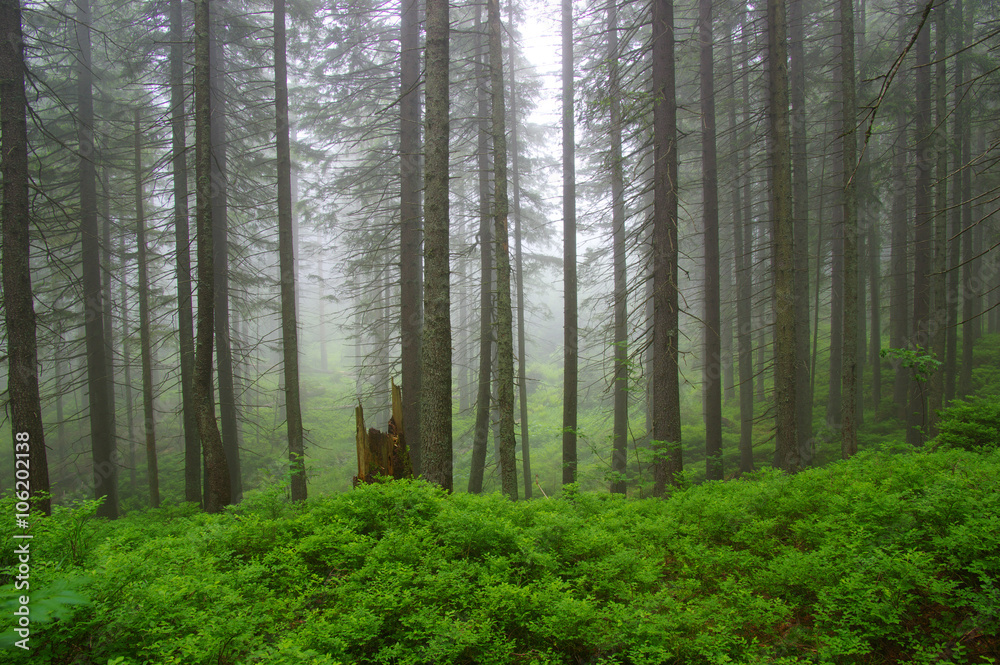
<point x="570" y="330"/>
<point x="220" y="238"/>
<point x="939" y="308"/>
<point x="126" y="344"/>
<point x="145" y="337"/>
<point x="435" y="417"/>
<point x="102" y="445"/>
<point x="875" y="288"/>
<point x="849" y="376"/>
<point x="217" y="475"/>
<point x="786" y="445"/>
<point x="185" y="318"/>
<point x="24" y="409"/>
<point x="968" y="252"/>
<point x="800" y="211"/>
<point x="955" y="254"/>
<point x="505" y="322"/>
<point x="383" y="454"/>
<point x="917" y="406"/>
<point x="899" y="262"/>
<point x="286" y="262"/>
<point x="666" y="428"/>
<point x="712" y="372"/>
<point x="743" y="293"/>
<point x="522" y="386"/>
<point x="411" y="257"/>
<point x="834" y="405"/>
<point x="482" y="430"/>
<point x="620" y="427"/>
<point x="109" y="331"/>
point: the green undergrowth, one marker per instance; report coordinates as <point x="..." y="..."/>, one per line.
<point x="880" y="559"/>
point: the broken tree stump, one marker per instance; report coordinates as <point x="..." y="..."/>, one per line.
<point x="383" y="453"/>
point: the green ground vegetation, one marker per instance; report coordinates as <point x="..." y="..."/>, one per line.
<point x="885" y="558"/>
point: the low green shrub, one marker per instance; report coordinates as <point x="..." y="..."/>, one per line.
<point x="878" y="559"/>
<point x="973" y="425"/>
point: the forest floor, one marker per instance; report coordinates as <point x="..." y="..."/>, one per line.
<point x="885" y="558"/>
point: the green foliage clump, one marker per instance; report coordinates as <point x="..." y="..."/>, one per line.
<point x="882" y="558"/>
<point x="973" y="425"/>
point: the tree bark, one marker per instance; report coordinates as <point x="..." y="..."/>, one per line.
<point x="102" y="445"/>
<point x="220" y="238"/>
<point x="786" y="445"/>
<point x="185" y="317"/>
<point x="917" y="405"/>
<point x="505" y="322"/>
<point x="743" y="292"/>
<point x="969" y="323"/>
<point x="22" y="352"/>
<point x="126" y="344"/>
<point x="480" y="437"/>
<point x="800" y="211"/>
<point x="145" y="337"/>
<point x="109" y="331"/>
<point x="834" y="405"/>
<point x="435" y="418"/>
<point x="899" y="261"/>
<point x="570" y="330"/>
<point x="666" y="426"/>
<point x="619" y="444"/>
<point x="955" y="254"/>
<point x="712" y="372"/>
<point x="939" y="308"/>
<point x="522" y="385"/>
<point x="217" y="475"/>
<point x="411" y="266"/>
<point x="286" y="262"/>
<point x="849" y="374"/>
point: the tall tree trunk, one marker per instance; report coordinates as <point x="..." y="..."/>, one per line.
<point x="800" y="211"/>
<point x="570" y="330"/>
<point x="411" y="266"/>
<point x="939" y="308"/>
<point x="955" y="255"/>
<point x="220" y="239"/>
<point x="712" y="372"/>
<point x="666" y="390"/>
<point x="743" y="291"/>
<point x="875" y="289"/>
<point x="969" y="323"/>
<point x="217" y="475"/>
<point x="481" y="433"/>
<point x="817" y="279"/>
<point x="109" y="331"/>
<point x="185" y="317"/>
<point x="522" y="378"/>
<point x="899" y="262"/>
<point x="834" y="405"/>
<point x="786" y="445"/>
<point x="286" y="261"/>
<point x="506" y="442"/>
<point x="862" y="223"/>
<point x="127" y="363"/>
<point x="102" y="445"/>
<point x="24" y="409"/>
<point x="917" y="404"/>
<point x="620" y="427"/>
<point x="145" y="337"/>
<point x="435" y="417"/>
<point x="849" y="376"/>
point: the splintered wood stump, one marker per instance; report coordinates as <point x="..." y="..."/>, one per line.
<point x="383" y="453"/>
